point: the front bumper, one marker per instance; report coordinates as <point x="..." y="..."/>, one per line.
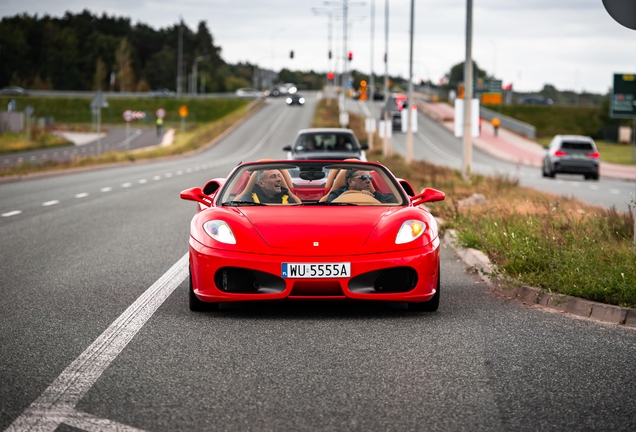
<point x="413" y="273"/>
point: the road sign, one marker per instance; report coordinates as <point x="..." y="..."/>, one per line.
<point x="623" y="103"/>
<point x="160" y="113"/>
<point x="99" y="101"/>
<point x="29" y="110"/>
<point x="183" y="111"/>
<point x="128" y="116"/>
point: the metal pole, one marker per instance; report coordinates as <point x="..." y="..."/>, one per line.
<point x="468" y="93"/>
<point x="180" y="60"/>
<point x="371" y="90"/>
<point x="410" y="105"/>
<point x="127" y="133"/>
<point x="385" y="144"/>
<point x="99" y="130"/>
<point x="345" y="57"/>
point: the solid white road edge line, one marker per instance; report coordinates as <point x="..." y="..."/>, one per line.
<point x="58" y="401"/>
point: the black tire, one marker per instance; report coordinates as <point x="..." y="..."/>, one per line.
<point x="433" y="304"/>
<point x="595" y="177"/>
<point x="197" y="305"/>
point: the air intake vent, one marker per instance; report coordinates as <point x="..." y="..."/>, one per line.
<point x="397" y="279"/>
<point x="236" y="280"/>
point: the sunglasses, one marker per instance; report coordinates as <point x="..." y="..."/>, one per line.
<point x="364" y="177"/>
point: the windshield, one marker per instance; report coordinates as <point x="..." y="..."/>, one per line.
<point x="326" y="142"/>
<point x="311" y="183"/>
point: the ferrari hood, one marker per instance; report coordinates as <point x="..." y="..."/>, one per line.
<point x="332" y="230"/>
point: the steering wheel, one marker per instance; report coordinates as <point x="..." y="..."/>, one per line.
<point x="355" y="197"/>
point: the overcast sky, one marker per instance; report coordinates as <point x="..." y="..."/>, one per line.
<point x="571" y="44"/>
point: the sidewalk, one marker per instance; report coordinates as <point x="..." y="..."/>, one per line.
<point x="510" y="146"/>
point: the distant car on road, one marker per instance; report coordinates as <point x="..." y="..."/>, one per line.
<point x="572" y="154"/>
<point x="394" y="106"/>
<point x="326" y="144"/>
<point x="248" y="93"/>
<point x="13" y="91"/>
<point x="295" y="99"/>
<point x="164" y="92"/>
<point x="287" y="88"/>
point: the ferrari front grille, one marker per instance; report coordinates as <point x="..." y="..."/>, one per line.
<point x="397" y="279"/>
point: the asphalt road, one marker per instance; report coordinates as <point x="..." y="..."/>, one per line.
<point x="97" y="335"/>
<point x="436" y="144"/>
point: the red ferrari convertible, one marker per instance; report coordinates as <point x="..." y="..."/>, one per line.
<point x="313" y="229"/>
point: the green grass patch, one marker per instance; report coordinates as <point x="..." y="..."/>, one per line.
<point x="77" y="109"/>
<point x="12" y="142"/>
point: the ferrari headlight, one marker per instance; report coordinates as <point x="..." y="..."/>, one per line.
<point x="409" y="231"/>
<point x="219" y="231"/>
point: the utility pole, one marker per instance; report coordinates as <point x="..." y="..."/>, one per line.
<point x="180" y="59"/>
<point x="410" y="105"/>
<point x="468" y="93"/>
<point x="371" y="90"/>
<point x="386" y="150"/>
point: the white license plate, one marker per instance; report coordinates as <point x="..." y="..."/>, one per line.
<point x="316" y="270"/>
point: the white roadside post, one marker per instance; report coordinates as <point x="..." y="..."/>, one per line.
<point x="369" y="127"/>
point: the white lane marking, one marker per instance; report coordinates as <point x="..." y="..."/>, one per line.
<point x="142" y="181"/>
<point x="156" y="177"/>
<point x="197" y="168"/>
<point x="11" y="213"/>
<point x="90" y="423"/>
<point x="615" y="191"/>
<point x="436" y="149"/>
<point x="56" y="405"/>
<point x="50" y="203"/>
<point x="179" y="172"/>
<point x="125" y="185"/>
<point x="81" y="195"/>
<point x="106" y="189"/>
<point x="594" y="187"/>
<point x="168" y="175"/>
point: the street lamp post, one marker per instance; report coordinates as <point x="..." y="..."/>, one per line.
<point x="410" y="105"/>
<point x="468" y="93"/>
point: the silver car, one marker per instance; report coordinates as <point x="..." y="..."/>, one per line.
<point x="326" y="144"/>
<point x="572" y="154"/>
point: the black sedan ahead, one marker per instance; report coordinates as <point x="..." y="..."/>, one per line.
<point x="295" y="99"/>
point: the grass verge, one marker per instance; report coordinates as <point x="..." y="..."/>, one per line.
<point x="534" y="238"/>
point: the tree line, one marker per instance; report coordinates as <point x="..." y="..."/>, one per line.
<point x="85" y="51"/>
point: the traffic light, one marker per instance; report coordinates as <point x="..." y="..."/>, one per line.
<point x="350" y="55"/>
<point x="291" y="54"/>
<point x="330" y="76"/>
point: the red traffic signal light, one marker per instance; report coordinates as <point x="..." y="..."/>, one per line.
<point x="350" y="55"/>
<point x="330" y="76"/>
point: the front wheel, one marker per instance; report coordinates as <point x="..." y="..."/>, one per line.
<point x="429" y="306"/>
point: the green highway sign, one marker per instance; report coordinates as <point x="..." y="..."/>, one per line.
<point x="623" y="102"/>
<point x="481" y="85"/>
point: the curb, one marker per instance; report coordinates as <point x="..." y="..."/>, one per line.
<point x="535" y="296"/>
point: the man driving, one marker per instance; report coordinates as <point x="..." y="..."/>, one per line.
<point x="268" y="189"/>
<point x="360" y="180"/>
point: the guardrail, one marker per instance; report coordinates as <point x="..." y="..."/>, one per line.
<point x="509" y="123"/>
<point x="116" y="95"/>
